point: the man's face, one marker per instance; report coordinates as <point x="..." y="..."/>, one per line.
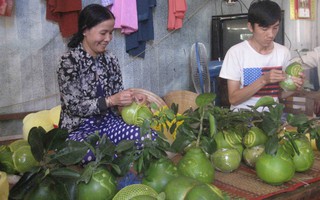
<point x="264" y="36"/>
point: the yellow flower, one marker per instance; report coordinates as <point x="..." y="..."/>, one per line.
<point x="157" y="127"/>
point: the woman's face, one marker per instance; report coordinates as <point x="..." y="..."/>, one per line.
<point x="98" y="37"/>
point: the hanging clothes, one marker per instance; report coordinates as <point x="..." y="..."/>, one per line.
<point x="136" y="42"/>
<point x="6" y="7"/>
<point x="125" y="12"/>
<point x="65" y="13"/>
<point x="176" y="13"/>
<point x="107" y="3"/>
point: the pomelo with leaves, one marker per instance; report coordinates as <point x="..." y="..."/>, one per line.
<point x="159" y="174"/>
<point x="275" y="169"/>
<point x="301" y="150"/>
<point x="102" y="185"/>
<point x="195" y="164"/>
<point x="187" y="188"/>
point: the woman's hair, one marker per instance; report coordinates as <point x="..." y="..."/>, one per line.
<point x="89" y="17"/>
<point x="264" y="13"/>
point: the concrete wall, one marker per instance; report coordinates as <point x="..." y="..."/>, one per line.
<point x="30" y="47"/>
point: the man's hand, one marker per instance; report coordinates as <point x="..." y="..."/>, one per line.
<point x="299" y="81"/>
<point x="274" y="76"/>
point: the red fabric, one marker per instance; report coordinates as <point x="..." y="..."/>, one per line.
<point x="6" y="7"/>
<point x="65" y="13"/>
<point x="176" y="13"/>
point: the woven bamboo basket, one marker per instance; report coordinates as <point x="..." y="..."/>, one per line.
<point x="184" y="98"/>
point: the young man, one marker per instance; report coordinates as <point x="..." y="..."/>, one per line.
<point x="254" y="67"/>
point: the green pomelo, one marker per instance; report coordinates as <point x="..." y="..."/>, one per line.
<point x="294" y="69"/>
<point x="275" y="169"/>
<point x="288" y="84"/>
<point x="251" y="155"/>
<point x="23" y="159"/>
<point x="17" y="144"/>
<point x="205" y="192"/>
<point x="135" y="190"/>
<point x="178" y="188"/>
<point x="226" y="160"/>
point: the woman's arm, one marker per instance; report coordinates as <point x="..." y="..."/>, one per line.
<point x="76" y="99"/>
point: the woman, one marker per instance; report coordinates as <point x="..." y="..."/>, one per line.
<point x="90" y="82"/>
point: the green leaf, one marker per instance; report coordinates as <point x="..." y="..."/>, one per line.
<point x="115" y="168"/>
<point x="264" y="101"/>
<point x="72" y="153"/>
<point x="205" y="99"/>
<point x="272" y="144"/>
<point x="140" y="164"/>
<point x="209" y="145"/>
<point x="65" y="173"/>
<point x="124" y="162"/>
<point x="124" y="145"/>
<point x="181" y="142"/>
<point x="93" y="139"/>
<point x="154" y="106"/>
<point x="297" y="120"/>
<point x="87" y="173"/>
<point x="156" y="153"/>
<point x="25" y="184"/>
<point x="269" y="126"/>
<point x="36" y="141"/>
<point x="54" y="139"/>
<point x="67" y="187"/>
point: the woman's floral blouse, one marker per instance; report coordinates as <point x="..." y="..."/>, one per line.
<point x="79" y="77"/>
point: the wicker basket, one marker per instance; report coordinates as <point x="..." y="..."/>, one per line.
<point x="184" y="98"/>
<point x="151" y="97"/>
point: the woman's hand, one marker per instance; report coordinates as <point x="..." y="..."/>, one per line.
<point x="123" y="98"/>
<point x="140" y="98"/>
<point x="126" y="97"/>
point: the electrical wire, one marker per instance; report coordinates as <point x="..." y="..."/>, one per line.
<point x="240" y="6"/>
<point x="241" y="2"/>
<point x="288" y="40"/>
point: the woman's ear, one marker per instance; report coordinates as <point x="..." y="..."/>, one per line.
<point x="85" y="32"/>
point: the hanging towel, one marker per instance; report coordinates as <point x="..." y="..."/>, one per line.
<point x="136" y="42"/>
<point x="125" y="12"/>
<point x="107" y="3"/>
<point x="65" y="13"/>
<point x="6" y="7"/>
<point x="176" y="13"/>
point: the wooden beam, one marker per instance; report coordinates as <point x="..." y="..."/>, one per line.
<point x="14" y="116"/>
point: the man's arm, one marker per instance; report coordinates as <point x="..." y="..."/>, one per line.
<point x="237" y="95"/>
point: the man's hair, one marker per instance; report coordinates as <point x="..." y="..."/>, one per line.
<point x="264" y="13"/>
